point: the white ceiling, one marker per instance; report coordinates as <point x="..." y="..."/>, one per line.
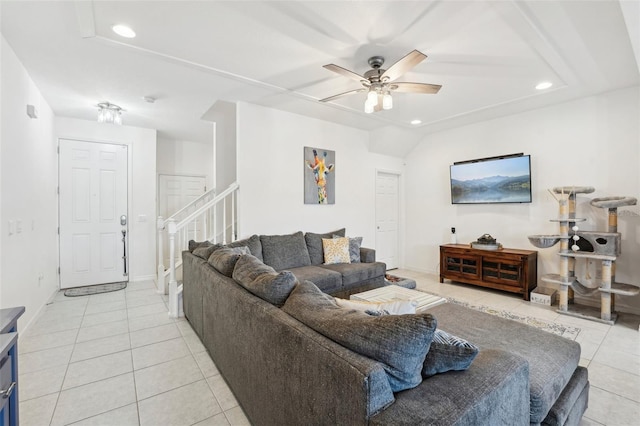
<point x="487" y="55"/>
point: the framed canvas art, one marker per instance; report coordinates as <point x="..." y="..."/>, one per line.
<point x="319" y="176"/>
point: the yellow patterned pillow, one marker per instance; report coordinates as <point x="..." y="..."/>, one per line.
<point x="336" y="250"/>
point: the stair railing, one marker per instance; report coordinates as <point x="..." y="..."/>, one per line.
<point x="210" y="217"/>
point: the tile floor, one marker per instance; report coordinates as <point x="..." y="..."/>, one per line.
<point x="116" y="359"/>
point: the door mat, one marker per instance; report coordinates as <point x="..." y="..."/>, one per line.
<point x="562" y="330"/>
<point x="94" y="289"/>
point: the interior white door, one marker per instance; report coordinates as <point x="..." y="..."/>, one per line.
<point x="174" y="193"/>
<point x="177" y="191"/>
<point x="93" y="207"/>
<point x="387" y="213"/>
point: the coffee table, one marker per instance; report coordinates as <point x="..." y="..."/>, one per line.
<point x="393" y="292"/>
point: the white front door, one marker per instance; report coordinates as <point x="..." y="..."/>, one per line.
<point x="387" y="228"/>
<point x="93" y="206"/>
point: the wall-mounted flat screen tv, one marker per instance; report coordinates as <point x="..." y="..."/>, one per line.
<point x="502" y="179"/>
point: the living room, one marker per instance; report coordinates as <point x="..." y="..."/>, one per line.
<point x="581" y="140"/>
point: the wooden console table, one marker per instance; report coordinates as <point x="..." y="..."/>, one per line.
<point x="510" y="270"/>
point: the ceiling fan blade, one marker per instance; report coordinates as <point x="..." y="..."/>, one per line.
<point x="416" y="87"/>
<point x="345" y="72"/>
<point x="350" y="92"/>
<point x="403" y="65"/>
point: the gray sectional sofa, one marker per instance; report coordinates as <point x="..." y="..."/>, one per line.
<point x="283" y="371"/>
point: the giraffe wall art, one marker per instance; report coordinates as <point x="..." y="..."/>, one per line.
<point x="319" y="176"/>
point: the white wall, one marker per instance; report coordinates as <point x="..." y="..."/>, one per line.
<point x="271" y="167"/>
<point x="224" y="115"/>
<point x="593" y="141"/>
<point x="176" y="157"/>
<point x="28" y="181"/>
<point x="142" y="184"/>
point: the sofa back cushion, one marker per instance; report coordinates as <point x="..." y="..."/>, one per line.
<point x="262" y="280"/>
<point x="284" y="251"/>
<point x="225" y="258"/>
<point x="204" y="251"/>
<point x="399" y="342"/>
<point x="253" y="243"/>
<point x="314" y="244"/>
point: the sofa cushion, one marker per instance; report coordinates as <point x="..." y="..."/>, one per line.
<point x="314" y="244"/>
<point x="398" y="342"/>
<point x="253" y="242"/>
<point x="336" y="250"/>
<point x="327" y="280"/>
<point x="285" y="251"/>
<point x="204" y="251"/>
<point x="356" y="272"/>
<point x="225" y="258"/>
<point x="262" y="280"/>
<point x="448" y="353"/>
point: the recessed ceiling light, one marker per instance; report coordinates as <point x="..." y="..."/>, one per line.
<point x="544" y="85"/>
<point x="124" y="31"/>
<point x="416" y="122"/>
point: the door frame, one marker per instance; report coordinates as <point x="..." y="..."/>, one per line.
<point x="130" y="223"/>
<point x="401" y="211"/>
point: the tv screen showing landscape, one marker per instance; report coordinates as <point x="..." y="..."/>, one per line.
<point x="503" y="180"/>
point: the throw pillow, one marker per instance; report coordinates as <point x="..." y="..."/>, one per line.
<point x="285" y="251"/>
<point x="314" y="244"/>
<point x="262" y="280"/>
<point x="195" y="244"/>
<point x="225" y="258"/>
<point x="395" y="307"/>
<point x="398" y="342"/>
<point x="253" y="242"/>
<point x="204" y="251"/>
<point x="354" y="248"/>
<point x="448" y="353"/>
<point x="336" y="250"/>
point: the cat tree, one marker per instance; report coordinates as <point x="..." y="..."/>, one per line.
<point x="586" y="248"/>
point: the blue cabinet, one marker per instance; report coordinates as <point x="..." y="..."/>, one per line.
<point x="9" y="413"/>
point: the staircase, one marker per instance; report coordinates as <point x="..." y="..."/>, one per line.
<point x="212" y="217"/>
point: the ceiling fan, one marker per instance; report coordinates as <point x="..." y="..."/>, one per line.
<point x="379" y="83"/>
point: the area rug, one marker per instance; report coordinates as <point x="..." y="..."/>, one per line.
<point x="94" y="289"/>
<point x="562" y="330"/>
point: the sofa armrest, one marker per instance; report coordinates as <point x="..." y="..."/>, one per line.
<point x="367" y="255"/>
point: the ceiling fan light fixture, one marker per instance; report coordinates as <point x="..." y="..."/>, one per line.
<point x="368" y="107"/>
<point x="372" y="97"/>
<point x="387" y="101"/>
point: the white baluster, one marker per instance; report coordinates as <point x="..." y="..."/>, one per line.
<point x="174" y="309"/>
<point x="233" y="216"/>
<point x="224" y="220"/>
<point x="160" y="284"/>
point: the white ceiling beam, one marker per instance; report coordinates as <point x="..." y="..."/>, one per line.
<point x="85" y="17"/>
